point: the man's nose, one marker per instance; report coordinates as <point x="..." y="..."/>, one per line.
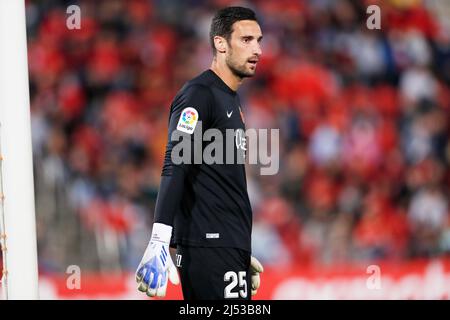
<point x="257" y="50"/>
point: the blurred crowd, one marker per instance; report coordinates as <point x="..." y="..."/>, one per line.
<point x="363" y="117"/>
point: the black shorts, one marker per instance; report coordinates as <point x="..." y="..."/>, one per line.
<point x="214" y="273"/>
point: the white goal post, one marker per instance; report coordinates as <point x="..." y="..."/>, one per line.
<point x="21" y="276"/>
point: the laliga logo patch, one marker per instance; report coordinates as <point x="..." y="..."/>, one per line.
<point x="188" y="120"/>
<point x="189" y="117"/>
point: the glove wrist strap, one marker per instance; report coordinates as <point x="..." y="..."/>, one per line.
<point x="161" y="232"/>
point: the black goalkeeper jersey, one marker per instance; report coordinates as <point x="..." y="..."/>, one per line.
<point x="207" y="204"/>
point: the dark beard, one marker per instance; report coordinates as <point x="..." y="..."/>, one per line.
<point x="239" y="72"/>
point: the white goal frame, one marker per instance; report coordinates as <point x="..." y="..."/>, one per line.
<point x="20" y="279"/>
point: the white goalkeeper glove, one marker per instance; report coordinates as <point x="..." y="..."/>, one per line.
<point x="255" y="268"/>
<point x="156" y="264"/>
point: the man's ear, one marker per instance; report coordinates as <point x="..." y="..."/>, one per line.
<point x="220" y="43"/>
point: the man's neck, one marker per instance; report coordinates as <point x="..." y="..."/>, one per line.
<point x="230" y="79"/>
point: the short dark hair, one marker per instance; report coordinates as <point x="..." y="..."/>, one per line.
<point x="222" y="23"/>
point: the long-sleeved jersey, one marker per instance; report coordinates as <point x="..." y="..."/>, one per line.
<point x="206" y="203"/>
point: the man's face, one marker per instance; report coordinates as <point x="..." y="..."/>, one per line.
<point x="244" y="48"/>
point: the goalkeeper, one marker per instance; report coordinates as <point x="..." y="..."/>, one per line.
<point x="203" y="209"/>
